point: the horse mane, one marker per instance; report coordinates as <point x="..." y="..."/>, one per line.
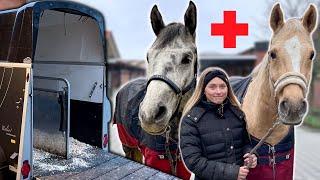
<point x="168" y="34"/>
<point x="261" y="67"/>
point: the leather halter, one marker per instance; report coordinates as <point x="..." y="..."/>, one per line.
<point x="178" y="90"/>
<point x="290" y="78"/>
<point x="172" y="85"/>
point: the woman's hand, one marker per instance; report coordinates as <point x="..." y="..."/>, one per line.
<point x="243" y="172"/>
<point x="250" y="160"/>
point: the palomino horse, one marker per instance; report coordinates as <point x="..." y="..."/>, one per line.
<point x="148" y="111"/>
<point x="277" y="90"/>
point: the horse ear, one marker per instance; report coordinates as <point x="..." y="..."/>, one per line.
<point x="276" y="18"/>
<point x="309" y="19"/>
<point x="156" y="20"/>
<point x="190" y="18"/>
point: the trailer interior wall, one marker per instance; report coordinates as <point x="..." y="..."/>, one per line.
<point x="70" y="46"/>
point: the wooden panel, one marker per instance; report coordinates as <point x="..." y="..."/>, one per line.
<point x="115" y="168"/>
<point x="122" y="171"/>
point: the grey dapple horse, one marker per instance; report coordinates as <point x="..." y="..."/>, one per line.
<point x="148" y="111"/>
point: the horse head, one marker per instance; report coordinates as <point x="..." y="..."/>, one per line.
<point x="290" y="60"/>
<point x="171" y="70"/>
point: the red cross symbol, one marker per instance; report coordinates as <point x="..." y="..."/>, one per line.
<point x="229" y="29"/>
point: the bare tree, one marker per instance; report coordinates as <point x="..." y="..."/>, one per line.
<point x="291" y="8"/>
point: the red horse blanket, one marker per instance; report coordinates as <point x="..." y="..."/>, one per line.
<point x="132" y="135"/>
<point x="274" y="162"/>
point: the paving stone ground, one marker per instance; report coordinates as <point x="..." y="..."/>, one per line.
<point x="307" y="155"/>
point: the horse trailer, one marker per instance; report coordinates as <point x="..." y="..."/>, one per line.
<point x="53" y="84"/>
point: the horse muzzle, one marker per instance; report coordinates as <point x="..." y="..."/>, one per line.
<point x="292" y="113"/>
<point x="291" y="89"/>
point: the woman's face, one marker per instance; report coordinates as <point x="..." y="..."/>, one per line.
<point x="216" y="90"/>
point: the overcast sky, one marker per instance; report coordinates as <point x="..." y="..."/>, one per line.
<point x="129" y="22"/>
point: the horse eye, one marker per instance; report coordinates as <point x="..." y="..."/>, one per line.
<point x="185" y="60"/>
<point x="311" y="55"/>
<point x="273" y="55"/>
<point x="147" y="59"/>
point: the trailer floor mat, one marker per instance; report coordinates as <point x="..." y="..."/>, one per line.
<point x="82" y="156"/>
<point x="89" y="162"/>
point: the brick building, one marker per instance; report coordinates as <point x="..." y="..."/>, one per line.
<point x="236" y="64"/>
<point x="120" y="71"/>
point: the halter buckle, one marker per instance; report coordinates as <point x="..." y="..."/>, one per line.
<point x="288" y="156"/>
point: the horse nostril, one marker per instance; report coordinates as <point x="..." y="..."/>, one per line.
<point x="284" y="107"/>
<point x="161" y="111"/>
<point x="142" y="115"/>
<point x="303" y="107"/>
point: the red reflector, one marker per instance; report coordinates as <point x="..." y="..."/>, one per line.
<point x="105" y="140"/>
<point x="25" y="169"/>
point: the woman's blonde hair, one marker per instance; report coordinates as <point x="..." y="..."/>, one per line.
<point x="198" y="92"/>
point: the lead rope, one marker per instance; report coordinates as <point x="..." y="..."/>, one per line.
<point x="273" y="161"/>
<point x="275" y="124"/>
<point x="172" y="160"/>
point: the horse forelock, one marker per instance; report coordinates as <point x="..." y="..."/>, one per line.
<point x="169" y="34"/>
<point x="292" y="27"/>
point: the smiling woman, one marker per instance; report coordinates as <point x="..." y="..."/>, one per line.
<point x="214" y="141"/>
<point x="216" y="89"/>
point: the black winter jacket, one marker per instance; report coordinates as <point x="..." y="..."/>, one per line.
<point x="213" y="140"/>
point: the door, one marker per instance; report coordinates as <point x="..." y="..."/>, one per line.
<point x="16" y="118"/>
